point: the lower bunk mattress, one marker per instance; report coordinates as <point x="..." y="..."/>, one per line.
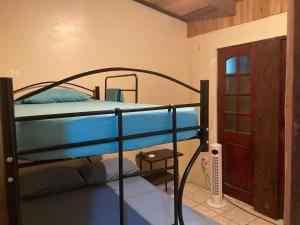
<point x="99" y="205"/>
<point x="45" y="133"/>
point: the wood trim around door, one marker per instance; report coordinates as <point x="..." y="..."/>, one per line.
<point x="292" y="187"/>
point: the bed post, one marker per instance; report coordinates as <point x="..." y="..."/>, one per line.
<point x="10" y="210"/>
<point x="203" y="135"/>
<point x="204" y="117"/>
<point x="97" y="93"/>
<point x="175" y="159"/>
<point x="136" y="88"/>
<point x="119" y="114"/>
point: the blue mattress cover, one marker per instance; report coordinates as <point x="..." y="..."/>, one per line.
<point x="145" y="204"/>
<point x="44" y="133"/>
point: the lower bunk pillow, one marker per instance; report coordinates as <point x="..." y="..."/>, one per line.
<point x="49" y="181"/>
<point x="107" y="170"/>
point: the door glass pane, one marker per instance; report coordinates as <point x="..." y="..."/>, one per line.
<point x="245" y="124"/>
<point x="244" y="104"/>
<point x="245" y="64"/>
<point x="230" y="122"/>
<point x="230" y="85"/>
<point x="231" y="65"/>
<point x="230" y="105"/>
<point x="245" y="84"/>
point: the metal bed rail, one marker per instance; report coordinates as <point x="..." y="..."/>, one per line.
<point x="94" y="93"/>
<point x="136" y="82"/>
<point x="120" y="139"/>
<point x="10" y="153"/>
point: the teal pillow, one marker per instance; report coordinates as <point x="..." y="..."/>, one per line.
<point x="56" y="95"/>
<point x="115" y="95"/>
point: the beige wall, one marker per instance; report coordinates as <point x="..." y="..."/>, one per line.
<point x="203" y="61"/>
<point x="49" y="40"/>
<point x="44" y="40"/>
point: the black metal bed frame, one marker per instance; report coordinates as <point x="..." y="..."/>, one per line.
<point x="8" y="144"/>
<point x="136" y="81"/>
<point x="93" y="93"/>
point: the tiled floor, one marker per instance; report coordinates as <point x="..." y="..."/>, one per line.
<point x="196" y="197"/>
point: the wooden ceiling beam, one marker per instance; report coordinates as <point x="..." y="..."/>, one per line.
<point x="227" y="6"/>
<point x="155" y="7"/>
<point x="194" y="15"/>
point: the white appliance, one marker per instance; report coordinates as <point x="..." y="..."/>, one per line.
<point x="216" y="199"/>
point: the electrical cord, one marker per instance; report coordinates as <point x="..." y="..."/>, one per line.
<point x="204" y="169"/>
<point x="208" y="181"/>
<point x="245" y="210"/>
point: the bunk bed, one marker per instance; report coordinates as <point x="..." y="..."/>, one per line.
<point x="46" y="133"/>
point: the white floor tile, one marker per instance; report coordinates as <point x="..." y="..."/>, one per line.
<point x="223" y="221"/>
<point x="205" y="211"/>
<point x="244" y="219"/>
<point x="200" y="196"/>
<point x="191" y="188"/>
<point x="233" y="213"/>
<point x="251" y="210"/>
<point x="196" y="197"/>
<point x="278" y="222"/>
<point x="189" y="202"/>
<point x="260" y="222"/>
<point x="239" y="203"/>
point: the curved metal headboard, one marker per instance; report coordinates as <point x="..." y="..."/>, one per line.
<point x="105" y="70"/>
<point x="46" y="83"/>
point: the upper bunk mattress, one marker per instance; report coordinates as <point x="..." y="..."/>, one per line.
<point x="50" y="132"/>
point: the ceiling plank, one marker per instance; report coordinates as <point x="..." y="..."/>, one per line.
<point x="182" y="7"/>
<point x="228" y="6"/>
<point x="154" y="1"/>
<point x="196" y="14"/>
<point x="246" y="11"/>
<point x="155" y="7"/>
<point x="191" y="6"/>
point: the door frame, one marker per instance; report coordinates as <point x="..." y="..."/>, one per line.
<point x="292" y="111"/>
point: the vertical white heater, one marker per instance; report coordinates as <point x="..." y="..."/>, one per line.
<point x="216" y="199"/>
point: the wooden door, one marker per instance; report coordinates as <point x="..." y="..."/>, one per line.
<point x="251" y="90"/>
<point x="236" y="116"/>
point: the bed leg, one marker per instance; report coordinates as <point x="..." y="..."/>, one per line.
<point x="97" y="93"/>
<point x="184" y="179"/>
<point x="204" y="100"/>
<point x="136" y="88"/>
<point x="175" y="159"/>
<point x="121" y="176"/>
<point x="8" y="157"/>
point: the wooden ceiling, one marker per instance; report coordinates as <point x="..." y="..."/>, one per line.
<point x="189" y="10"/>
<point x="204" y="16"/>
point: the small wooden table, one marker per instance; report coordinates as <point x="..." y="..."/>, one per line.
<point x="161" y="175"/>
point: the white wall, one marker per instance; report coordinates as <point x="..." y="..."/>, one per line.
<point x="203" y="62"/>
